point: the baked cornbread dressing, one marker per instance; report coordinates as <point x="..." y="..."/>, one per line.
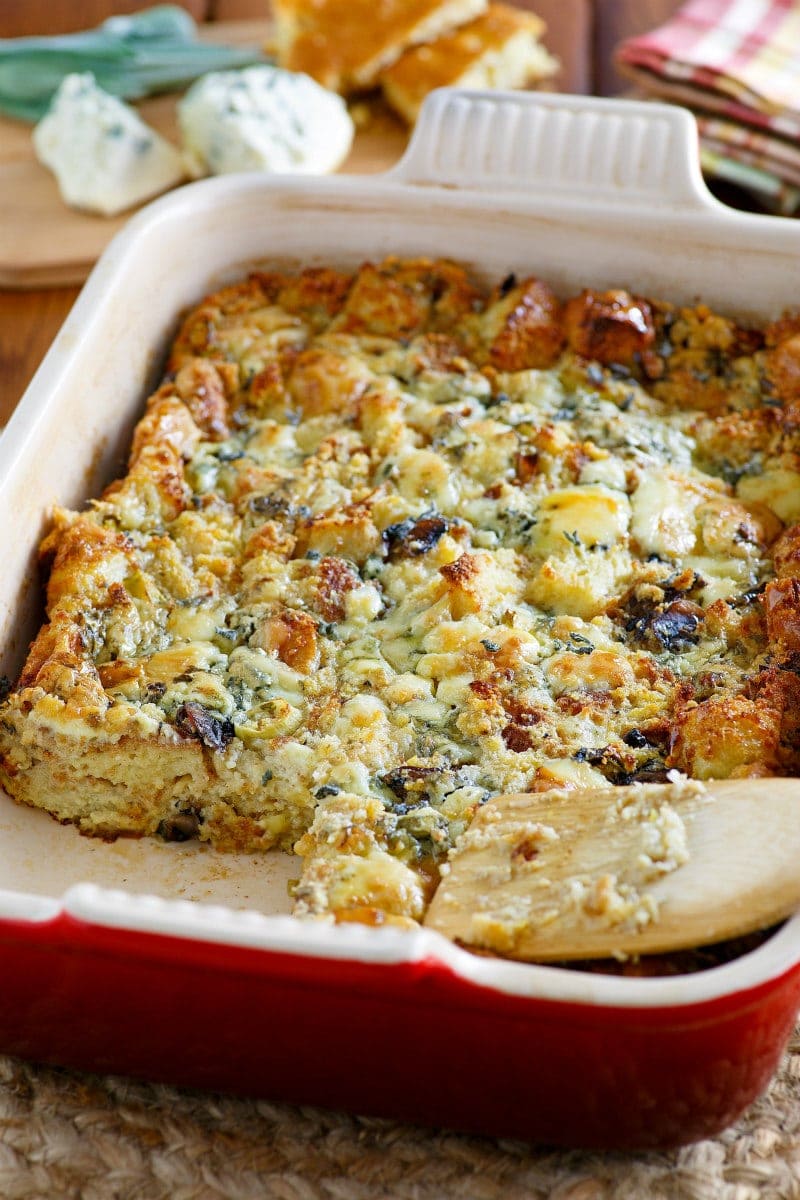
<point x="389" y="545"/>
<point x="344" y="44"/>
<point x="499" y="49"/>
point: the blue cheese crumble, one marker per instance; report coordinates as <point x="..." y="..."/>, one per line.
<point x="103" y="155"/>
<point x="263" y="119"/>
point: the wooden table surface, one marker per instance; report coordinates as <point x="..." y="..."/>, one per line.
<point x="28" y="323"/>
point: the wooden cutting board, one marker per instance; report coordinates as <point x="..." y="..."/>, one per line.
<point x="45" y="244"/>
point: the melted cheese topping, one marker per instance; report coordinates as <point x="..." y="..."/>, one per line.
<point x="388" y="546"/>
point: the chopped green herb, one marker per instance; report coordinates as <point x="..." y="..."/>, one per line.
<point x="582" y="645"/>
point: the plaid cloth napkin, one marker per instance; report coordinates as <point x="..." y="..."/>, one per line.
<point x="737" y="64"/>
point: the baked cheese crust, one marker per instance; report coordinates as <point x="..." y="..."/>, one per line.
<point x="389" y="545"/>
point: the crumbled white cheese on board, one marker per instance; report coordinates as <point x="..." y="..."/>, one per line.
<point x="103" y="155"/>
<point x="263" y="119"/>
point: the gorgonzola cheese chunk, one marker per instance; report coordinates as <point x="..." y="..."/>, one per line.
<point x="104" y="156"/>
<point x="263" y="119"/>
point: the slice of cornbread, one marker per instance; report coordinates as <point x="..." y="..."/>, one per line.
<point x="499" y="49"/>
<point x="345" y="44"/>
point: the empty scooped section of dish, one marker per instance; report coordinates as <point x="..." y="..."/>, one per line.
<point x="40" y="857"/>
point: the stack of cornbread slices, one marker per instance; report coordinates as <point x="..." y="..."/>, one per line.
<point x="409" y="47"/>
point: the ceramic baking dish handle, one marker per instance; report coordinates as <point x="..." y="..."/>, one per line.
<point x="597" y="151"/>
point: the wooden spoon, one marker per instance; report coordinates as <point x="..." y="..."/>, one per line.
<point x="608" y="872"/>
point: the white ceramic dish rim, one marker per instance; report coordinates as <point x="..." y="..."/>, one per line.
<point x="628" y="161"/>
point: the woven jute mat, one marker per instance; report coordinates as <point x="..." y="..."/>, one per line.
<point x="65" y="1135"/>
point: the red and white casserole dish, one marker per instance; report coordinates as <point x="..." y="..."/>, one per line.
<point x="178" y="963"/>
